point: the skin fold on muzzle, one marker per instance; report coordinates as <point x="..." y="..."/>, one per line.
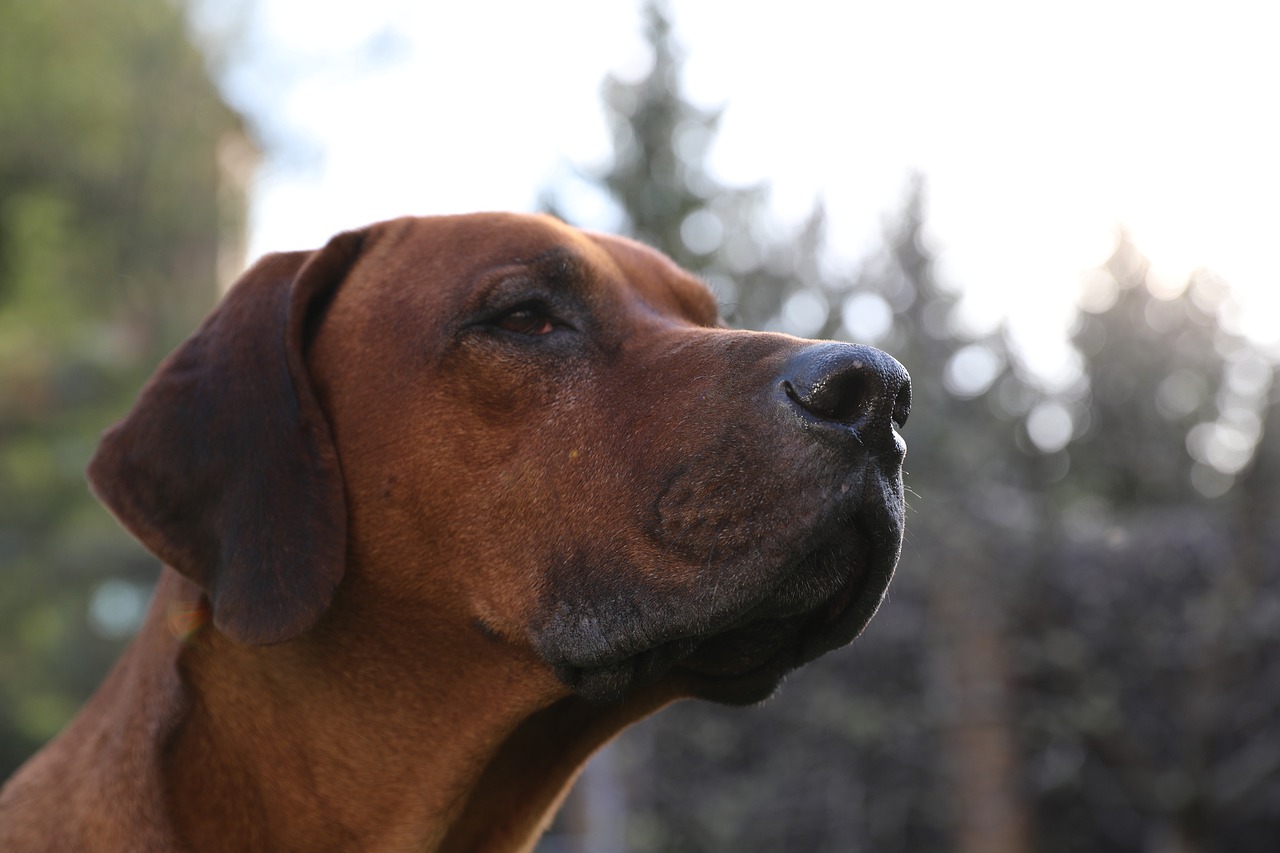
<point x="443" y="506"/>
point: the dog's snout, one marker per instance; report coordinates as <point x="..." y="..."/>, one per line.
<point x="846" y="384"/>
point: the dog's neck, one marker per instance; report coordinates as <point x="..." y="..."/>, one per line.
<point x="383" y="740"/>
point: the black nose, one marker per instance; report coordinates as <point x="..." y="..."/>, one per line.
<point x="860" y="388"/>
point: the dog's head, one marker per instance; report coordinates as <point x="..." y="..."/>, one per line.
<point x="545" y="434"/>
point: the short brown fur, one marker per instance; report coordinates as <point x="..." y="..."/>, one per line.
<point x="425" y="554"/>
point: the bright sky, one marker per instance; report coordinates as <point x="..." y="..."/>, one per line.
<point x="1041" y="128"/>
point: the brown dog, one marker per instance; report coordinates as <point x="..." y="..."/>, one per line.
<point x="459" y="498"/>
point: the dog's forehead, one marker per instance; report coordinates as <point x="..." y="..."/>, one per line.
<point x="468" y="246"/>
<point x="658" y="279"/>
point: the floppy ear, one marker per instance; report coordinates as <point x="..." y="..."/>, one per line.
<point x="225" y="468"/>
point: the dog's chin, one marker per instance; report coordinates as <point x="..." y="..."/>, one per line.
<point x="821" y="603"/>
<point x="745" y="665"/>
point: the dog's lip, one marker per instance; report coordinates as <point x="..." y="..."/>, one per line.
<point x="743" y="658"/>
<point x="810" y="632"/>
<point x="775" y="642"/>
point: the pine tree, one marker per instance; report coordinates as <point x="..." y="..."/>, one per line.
<point x="113" y="216"/>
<point x="1154" y="366"/>
<point x="660" y="180"/>
<point x="1142" y="636"/>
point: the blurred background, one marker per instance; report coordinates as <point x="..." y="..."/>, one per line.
<point x="1062" y="220"/>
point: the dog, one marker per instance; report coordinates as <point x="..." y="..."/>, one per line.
<point x="444" y="506"/>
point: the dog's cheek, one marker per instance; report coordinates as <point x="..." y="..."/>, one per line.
<point x="722" y="518"/>
<point x="745" y="499"/>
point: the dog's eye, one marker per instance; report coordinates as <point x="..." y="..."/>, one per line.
<point x="528" y="319"/>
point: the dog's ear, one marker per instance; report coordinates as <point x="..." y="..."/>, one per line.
<point x="225" y="468"/>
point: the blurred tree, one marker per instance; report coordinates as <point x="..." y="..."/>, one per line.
<point x="1154" y="365"/>
<point x="118" y="191"/>
<point x="1146" y="699"/>
<point x="668" y="198"/>
<point x="977" y="517"/>
<point x="1149" y="705"/>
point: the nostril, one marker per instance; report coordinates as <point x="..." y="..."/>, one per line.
<point x="849" y="385"/>
<point x="902" y="405"/>
<point x="842" y="397"/>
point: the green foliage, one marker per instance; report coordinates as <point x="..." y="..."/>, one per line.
<point x="112" y="208"/>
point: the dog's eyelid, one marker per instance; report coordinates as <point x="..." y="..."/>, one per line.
<point x="512" y="290"/>
<point x="533" y="308"/>
<point x="529" y="319"/>
<point x="512" y="287"/>
<point x="532" y="317"/>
